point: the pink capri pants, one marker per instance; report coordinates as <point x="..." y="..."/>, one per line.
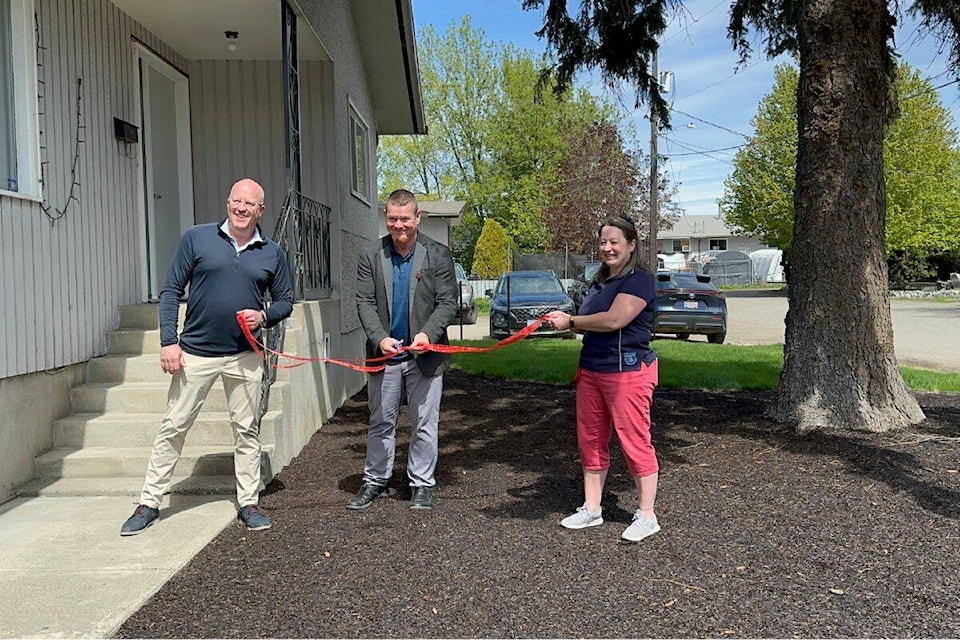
<point x="621" y="401"/>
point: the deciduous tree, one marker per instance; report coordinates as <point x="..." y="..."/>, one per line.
<point x="500" y="144"/>
<point x="921" y="171"/>
<point x="758" y="195"/>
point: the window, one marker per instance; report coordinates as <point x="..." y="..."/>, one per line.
<point x="19" y="129"/>
<point x="680" y="246"/>
<point x="718" y="244"/>
<point x="359" y="156"/>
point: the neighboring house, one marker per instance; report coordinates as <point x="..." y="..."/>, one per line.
<point x="438" y="216"/>
<point x="695" y="235"/>
<point x="124" y="122"/>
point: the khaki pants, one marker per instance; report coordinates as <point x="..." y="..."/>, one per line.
<point x="241" y="376"/>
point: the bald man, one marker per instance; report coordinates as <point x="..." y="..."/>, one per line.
<point x="229" y="267"/>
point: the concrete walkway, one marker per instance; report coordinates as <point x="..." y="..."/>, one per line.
<point x="65" y="572"/>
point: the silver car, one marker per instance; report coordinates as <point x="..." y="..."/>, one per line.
<point x="467" y="307"/>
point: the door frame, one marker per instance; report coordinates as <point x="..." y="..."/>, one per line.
<point x="142" y="55"/>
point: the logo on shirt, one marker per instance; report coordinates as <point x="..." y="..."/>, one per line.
<point x="630" y="359"/>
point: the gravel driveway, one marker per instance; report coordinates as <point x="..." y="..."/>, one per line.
<point x="926" y="334"/>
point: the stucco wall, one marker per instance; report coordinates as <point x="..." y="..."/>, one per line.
<point x="29" y="405"/>
<point x="315" y="390"/>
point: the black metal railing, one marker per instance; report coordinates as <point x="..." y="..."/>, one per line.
<point x="303" y="232"/>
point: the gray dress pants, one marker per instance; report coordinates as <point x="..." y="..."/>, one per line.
<point x="384" y="391"/>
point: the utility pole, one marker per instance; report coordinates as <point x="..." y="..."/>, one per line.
<point x="654" y="173"/>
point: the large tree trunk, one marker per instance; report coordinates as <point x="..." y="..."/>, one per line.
<point x="839" y="367"/>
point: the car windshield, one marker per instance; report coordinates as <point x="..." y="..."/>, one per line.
<point x="684" y="281"/>
<point x="459" y="271"/>
<point x="590" y="271"/>
<point x="530" y="284"/>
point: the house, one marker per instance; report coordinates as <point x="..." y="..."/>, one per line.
<point x="128" y="122"/>
<point x="438" y="216"/>
<point x="696" y="235"/>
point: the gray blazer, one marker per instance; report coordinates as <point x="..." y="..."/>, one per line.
<point x="433" y="296"/>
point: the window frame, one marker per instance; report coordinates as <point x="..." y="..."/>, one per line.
<point x="25" y="107"/>
<point x="718" y="242"/>
<point x="358" y="124"/>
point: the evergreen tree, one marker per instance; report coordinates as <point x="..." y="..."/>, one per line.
<point x="832" y="376"/>
<point x="492" y="256"/>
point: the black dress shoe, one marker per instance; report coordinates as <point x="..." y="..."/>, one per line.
<point x="422" y="498"/>
<point x="367" y="494"/>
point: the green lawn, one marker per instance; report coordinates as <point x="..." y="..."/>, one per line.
<point x="683" y="365"/>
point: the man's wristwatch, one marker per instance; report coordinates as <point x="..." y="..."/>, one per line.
<point x="572" y="326"/>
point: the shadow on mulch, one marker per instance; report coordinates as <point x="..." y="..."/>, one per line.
<point x="765" y="533"/>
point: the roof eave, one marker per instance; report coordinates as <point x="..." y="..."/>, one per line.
<point x="387" y="40"/>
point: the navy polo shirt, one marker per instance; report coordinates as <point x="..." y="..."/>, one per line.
<point x="400" y="313"/>
<point x="627" y="348"/>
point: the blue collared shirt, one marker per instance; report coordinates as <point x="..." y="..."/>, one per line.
<point x="400" y="314"/>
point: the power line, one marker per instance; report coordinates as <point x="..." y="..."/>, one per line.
<point x="931" y="89"/>
<point x="732" y="75"/>
<point x="695" y="20"/>
<point x="712" y="124"/>
<point x="704" y="152"/>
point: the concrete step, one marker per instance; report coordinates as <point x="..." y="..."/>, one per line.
<point x="135" y="342"/>
<point x="126" y="368"/>
<point x="112" y="462"/>
<point x="125" y="486"/>
<point x="140" y="429"/>
<point x="146" y="397"/>
<point x="144" y="316"/>
<point x="147" y="316"/>
<point x="132" y="367"/>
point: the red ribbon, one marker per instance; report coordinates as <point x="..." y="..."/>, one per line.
<point x="369" y="365"/>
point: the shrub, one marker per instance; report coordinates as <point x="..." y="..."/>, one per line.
<point x="492" y="254"/>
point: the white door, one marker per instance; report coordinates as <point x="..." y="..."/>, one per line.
<point x="167" y="165"/>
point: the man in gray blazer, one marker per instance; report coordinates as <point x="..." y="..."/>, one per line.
<point x="406" y="296"/>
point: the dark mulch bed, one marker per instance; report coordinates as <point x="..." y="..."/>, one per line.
<point x="765" y="534"/>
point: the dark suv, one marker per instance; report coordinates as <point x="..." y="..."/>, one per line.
<point x="532" y="294"/>
<point x="689" y="303"/>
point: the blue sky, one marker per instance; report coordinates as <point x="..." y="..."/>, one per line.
<point x="713" y="102"/>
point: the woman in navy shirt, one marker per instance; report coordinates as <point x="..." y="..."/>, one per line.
<point x="616" y="377"/>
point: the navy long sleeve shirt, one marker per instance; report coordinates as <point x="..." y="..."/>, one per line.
<point x="222" y="282"/>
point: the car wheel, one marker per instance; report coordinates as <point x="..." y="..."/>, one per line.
<point x="471" y="317"/>
<point x="716" y="338"/>
<point x="683" y="336"/>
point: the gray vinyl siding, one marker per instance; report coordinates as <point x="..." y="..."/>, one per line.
<point x="228" y="97"/>
<point x="61" y="282"/>
<point x="231" y="96"/>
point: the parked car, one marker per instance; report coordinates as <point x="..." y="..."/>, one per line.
<point x="532" y="294"/>
<point x="689" y="303"/>
<point x="467" y="309"/>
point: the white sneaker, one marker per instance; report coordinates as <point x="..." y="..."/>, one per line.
<point x="640" y="528"/>
<point x="582" y="518"/>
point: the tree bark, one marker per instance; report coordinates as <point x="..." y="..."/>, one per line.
<point x="840" y="370"/>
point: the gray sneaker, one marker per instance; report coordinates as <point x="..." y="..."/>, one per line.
<point x="582" y="518"/>
<point x="254" y="517"/>
<point x="640" y="528"/>
<point x="142" y="518"/>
